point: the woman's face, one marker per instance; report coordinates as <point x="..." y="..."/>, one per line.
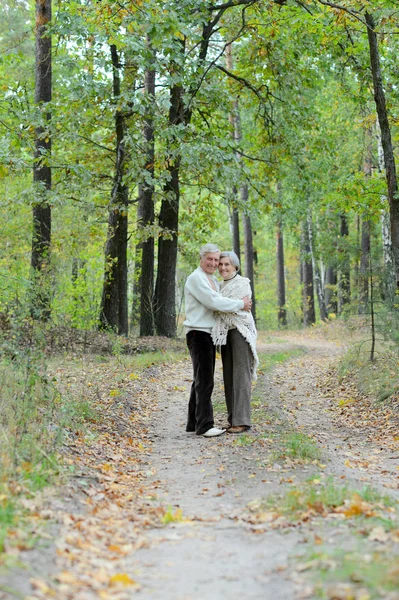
<point x="226" y="269"/>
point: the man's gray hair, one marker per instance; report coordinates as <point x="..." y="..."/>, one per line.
<point x="207" y="248"/>
<point x="235" y="261"/>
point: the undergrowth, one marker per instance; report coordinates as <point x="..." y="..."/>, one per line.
<point x="40" y="410"/>
<point x="377" y="379"/>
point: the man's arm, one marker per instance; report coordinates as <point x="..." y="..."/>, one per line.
<point x="202" y="291"/>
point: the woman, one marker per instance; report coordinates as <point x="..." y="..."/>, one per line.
<point x="236" y="334"/>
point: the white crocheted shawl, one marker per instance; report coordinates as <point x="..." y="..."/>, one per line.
<point x="236" y="288"/>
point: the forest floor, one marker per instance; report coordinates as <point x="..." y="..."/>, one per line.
<point x="304" y="505"/>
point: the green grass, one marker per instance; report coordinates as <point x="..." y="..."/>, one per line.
<point x="301" y="446"/>
<point x="374" y="572"/>
<point x="244" y="440"/>
<point x="268" y="361"/>
<point x="324" y="496"/>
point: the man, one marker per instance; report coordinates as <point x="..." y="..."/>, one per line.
<point x="202" y="298"/>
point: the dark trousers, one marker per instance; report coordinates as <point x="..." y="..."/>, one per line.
<point x="237" y="362"/>
<point x="203" y="353"/>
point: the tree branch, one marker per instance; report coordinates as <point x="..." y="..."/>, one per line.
<point x="344" y="9"/>
<point x="232" y="3"/>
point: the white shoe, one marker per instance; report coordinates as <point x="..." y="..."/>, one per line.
<point x="213" y="432"/>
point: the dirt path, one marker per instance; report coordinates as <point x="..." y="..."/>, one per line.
<point x="207" y="546"/>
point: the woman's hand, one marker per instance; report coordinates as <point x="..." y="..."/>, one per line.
<point x="247" y="304"/>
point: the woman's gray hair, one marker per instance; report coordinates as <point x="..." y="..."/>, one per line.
<point x="207" y="249"/>
<point x="235" y="261"/>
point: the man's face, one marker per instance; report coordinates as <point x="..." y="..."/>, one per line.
<point x="209" y="263"/>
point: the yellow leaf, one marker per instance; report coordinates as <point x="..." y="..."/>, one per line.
<point x="121" y="578"/>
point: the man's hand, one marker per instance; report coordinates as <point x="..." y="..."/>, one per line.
<point x="247" y="304"/>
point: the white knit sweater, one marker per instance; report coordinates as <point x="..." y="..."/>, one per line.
<point x="237" y="287"/>
<point x="202" y="300"/>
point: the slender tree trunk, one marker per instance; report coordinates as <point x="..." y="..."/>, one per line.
<point x="386" y="140"/>
<point x="388" y="283"/>
<point x="235" y="228"/>
<point x="330" y="290"/>
<point x="316" y="273"/>
<point x="235" y="120"/>
<point x="235" y="132"/>
<point x="41" y="237"/>
<point x="145" y="215"/>
<point x="344" y="285"/>
<point x="114" y="305"/>
<point x="309" y="315"/>
<point x="165" y="289"/>
<point x="249" y="248"/>
<point x="282" y="311"/>
<point x="363" y="283"/>
<point x="364" y="268"/>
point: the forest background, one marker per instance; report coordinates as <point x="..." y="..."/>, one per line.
<point x="133" y="132"/>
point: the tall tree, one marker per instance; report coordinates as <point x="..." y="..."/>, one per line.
<point x="281" y="309"/>
<point x="309" y="313"/>
<point x="386" y="139"/>
<point x="165" y="287"/>
<point x="114" y="304"/>
<point x="145" y="209"/>
<point x="344" y="281"/>
<point x="316" y="272"/>
<point x="41" y="238"/>
<point x="235" y="133"/>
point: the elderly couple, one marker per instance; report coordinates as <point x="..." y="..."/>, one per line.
<point x="220" y="315"/>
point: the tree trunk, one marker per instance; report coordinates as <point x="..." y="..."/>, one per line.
<point x="41" y="237"/>
<point x="364" y="268"/>
<point x="388" y="283"/>
<point x="316" y="273"/>
<point x="386" y="141"/>
<point x="344" y="285"/>
<point x="114" y="306"/>
<point x="165" y="289"/>
<point x="235" y="227"/>
<point x="282" y="311"/>
<point x="145" y="215"/>
<point x="309" y="315"/>
<point x="235" y="133"/>
<point x="330" y="290"/>
<point x="249" y="248"/>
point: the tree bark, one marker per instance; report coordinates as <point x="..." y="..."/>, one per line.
<point x="145" y="214"/>
<point x="364" y="268"/>
<point x="249" y="248"/>
<point x="235" y="228"/>
<point x="309" y="315"/>
<point x="316" y="273"/>
<point x="282" y="311"/>
<point x="235" y="133"/>
<point x="388" y="283"/>
<point x="114" y="305"/>
<point x="386" y="141"/>
<point x="41" y="237"/>
<point x="344" y="285"/>
<point x="165" y="289"/>
<point x="330" y="290"/>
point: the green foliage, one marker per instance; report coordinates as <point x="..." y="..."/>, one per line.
<point x="302" y="83"/>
